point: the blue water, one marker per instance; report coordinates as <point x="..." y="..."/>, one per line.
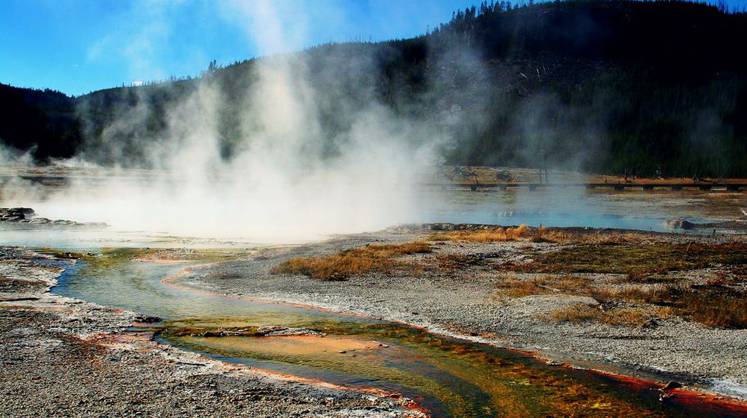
<point x="646" y="211"/>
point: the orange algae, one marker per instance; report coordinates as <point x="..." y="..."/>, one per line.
<point x="296" y="345"/>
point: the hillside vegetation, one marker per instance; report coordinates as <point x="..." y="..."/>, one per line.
<point x="604" y="86"/>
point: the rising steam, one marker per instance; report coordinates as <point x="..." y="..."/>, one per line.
<point x="279" y="183"/>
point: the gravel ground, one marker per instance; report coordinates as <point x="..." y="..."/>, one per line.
<point x="466" y="305"/>
<point x="62" y="357"/>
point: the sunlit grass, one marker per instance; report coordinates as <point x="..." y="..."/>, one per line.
<point x="514" y="287"/>
<point x="713" y="304"/>
<point x="637" y="261"/>
<point x="484" y="235"/>
<point x="538" y="234"/>
<point x="356" y="261"/>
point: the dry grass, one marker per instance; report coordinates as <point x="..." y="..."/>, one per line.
<point x="588" y="237"/>
<point x="646" y="262"/>
<point x="576" y="313"/>
<point x="541" y="234"/>
<point x="657" y="294"/>
<point x="713" y="304"/>
<point x="634" y="316"/>
<point x="637" y="261"/>
<point x="514" y="287"/>
<point x="460" y="262"/>
<point x="352" y="262"/>
<point x="483" y="235"/>
<point x="453" y="262"/>
<point x="717" y="310"/>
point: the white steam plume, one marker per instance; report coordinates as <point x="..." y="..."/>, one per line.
<point x="278" y="186"/>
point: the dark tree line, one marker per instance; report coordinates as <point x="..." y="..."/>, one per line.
<point x="43" y="121"/>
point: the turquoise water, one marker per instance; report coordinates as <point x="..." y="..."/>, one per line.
<point x="646" y="211"/>
<point x="137" y="286"/>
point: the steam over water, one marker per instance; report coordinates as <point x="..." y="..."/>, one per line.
<point x="138" y="216"/>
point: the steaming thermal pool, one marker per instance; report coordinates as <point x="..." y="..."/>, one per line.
<point x="639" y="210"/>
<point x="646" y="211"/>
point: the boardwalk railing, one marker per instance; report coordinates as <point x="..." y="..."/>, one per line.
<point x="731" y="186"/>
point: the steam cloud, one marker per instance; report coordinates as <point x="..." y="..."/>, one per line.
<point x="279" y="183"/>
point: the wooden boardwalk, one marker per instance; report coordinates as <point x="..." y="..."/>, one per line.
<point x="730" y="186"/>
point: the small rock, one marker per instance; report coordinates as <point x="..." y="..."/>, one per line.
<point x="147" y="319"/>
<point x="681" y="224"/>
<point x="672" y="385"/>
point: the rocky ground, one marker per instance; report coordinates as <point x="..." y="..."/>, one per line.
<point x="464" y="300"/>
<point x="62" y="357"/>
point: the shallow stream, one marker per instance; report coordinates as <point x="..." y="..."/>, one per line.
<point x="447" y="376"/>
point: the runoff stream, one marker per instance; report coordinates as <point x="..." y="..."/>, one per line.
<point x="445" y="376"/>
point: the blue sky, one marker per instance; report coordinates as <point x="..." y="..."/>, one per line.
<point x="77" y="46"/>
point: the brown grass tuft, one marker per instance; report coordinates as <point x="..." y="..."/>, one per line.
<point x="637" y="261"/>
<point x="541" y="234"/>
<point x="721" y="310"/>
<point x="352" y="262"/>
<point x="712" y="305"/>
<point x="588" y="237"/>
<point x="515" y="287"/>
<point x="483" y="235"/>
<point x="576" y="313"/>
<point x="453" y="262"/>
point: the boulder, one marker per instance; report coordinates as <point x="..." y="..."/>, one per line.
<point x="681" y="224"/>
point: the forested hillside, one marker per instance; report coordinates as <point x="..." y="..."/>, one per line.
<point x="44" y="120"/>
<point x="603" y="86"/>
